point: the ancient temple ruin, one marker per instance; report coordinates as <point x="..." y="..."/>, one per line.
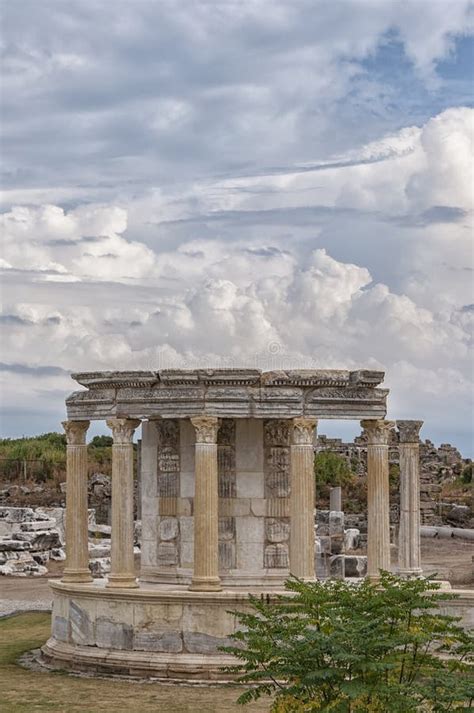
<point x="227" y="504"/>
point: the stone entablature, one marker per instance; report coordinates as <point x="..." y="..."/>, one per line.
<point x="229" y="393"/>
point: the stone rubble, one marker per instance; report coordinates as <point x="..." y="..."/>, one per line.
<point x="333" y="543"/>
<point x="437" y="465"/>
<point x="30" y="537"/>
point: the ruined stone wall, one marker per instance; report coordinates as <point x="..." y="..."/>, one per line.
<point x="436" y="466"/>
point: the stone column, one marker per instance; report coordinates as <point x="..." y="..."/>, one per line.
<point x="378" y="501"/>
<point x="77" y="516"/>
<point x="302" y="498"/>
<point x="409" y="556"/>
<point x="335" y="498"/>
<point x="206" y="553"/>
<point x="122" y="566"/>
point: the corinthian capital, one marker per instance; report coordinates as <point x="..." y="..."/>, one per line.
<point x="76" y="432"/>
<point x="122" y="430"/>
<point x="206" y="428"/>
<point x="302" y="433"/>
<point x="409" y="431"/>
<point x="377" y="431"/>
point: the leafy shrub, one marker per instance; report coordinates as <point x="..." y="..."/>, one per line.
<point x="466" y="475"/>
<point x="336" y="646"/>
<point x="331" y="469"/>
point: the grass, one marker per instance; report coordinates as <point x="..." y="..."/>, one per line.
<point x="24" y="691"/>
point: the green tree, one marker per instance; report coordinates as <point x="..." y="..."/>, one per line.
<point x="101" y="442"/>
<point x="331" y="469"/>
<point x="337" y="646"/>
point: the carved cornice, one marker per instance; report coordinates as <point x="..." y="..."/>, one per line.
<point x="122" y="430"/>
<point x="302" y="433"/>
<point x="409" y="431"/>
<point x="229" y="377"/>
<point x="377" y="432"/>
<point x="76" y="432"/>
<point x="206" y="428"/>
<point x="229" y="393"/>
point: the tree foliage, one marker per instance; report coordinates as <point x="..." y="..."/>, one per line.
<point x="355" y="648"/>
<point x="45" y="455"/>
<point x="101" y="442"/>
<point x="331" y="470"/>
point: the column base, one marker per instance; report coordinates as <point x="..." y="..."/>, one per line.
<point x="76" y="575"/>
<point x="205" y="584"/>
<point x="121" y="581"/>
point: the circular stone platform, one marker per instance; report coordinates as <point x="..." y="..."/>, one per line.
<point x="155" y="631"/>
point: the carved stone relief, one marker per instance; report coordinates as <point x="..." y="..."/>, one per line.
<point x="168" y="471"/>
<point x="226" y="459"/>
<point x="227" y="488"/>
<point x="277" y="490"/>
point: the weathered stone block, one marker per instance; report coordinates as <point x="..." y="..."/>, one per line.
<point x="276" y="556"/>
<point x="249" y="555"/>
<point x="159" y="641"/>
<point x="185" y="506"/>
<point x="258" y="507"/>
<point x="355" y="566"/>
<point x="336" y="567"/>
<point x="160" y="617"/>
<point x="323" y="545"/>
<point x="249" y="529"/>
<point x="169" y="528"/>
<point x="321" y="566"/>
<point x="14" y="546"/>
<point x="187" y="441"/>
<point x="351" y="539"/>
<point x="249" y="447"/>
<point x="336" y="523"/>
<point x="186" y="526"/>
<point x="227" y="558"/>
<point x="82" y="627"/>
<point x="148" y="555"/>
<point x="277" y="507"/>
<point x="187" y="554"/>
<point x="322" y="522"/>
<point x="337" y="544"/>
<point x="113" y="635"/>
<point x="60" y="629"/>
<point x="168" y="485"/>
<point x="250" y="485"/>
<point x="226" y="528"/>
<point x="277" y="530"/>
<point x="187" y="484"/>
<point x="231" y="507"/>
<point x="197" y="643"/>
<point x="167" y="554"/>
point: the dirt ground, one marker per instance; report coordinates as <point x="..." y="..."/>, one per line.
<point x="451" y="559"/>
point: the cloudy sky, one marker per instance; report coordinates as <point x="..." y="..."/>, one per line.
<point x="264" y="183"/>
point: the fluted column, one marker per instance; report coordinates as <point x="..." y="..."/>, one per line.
<point x="378" y="500"/>
<point x="206" y="553"/>
<point x="77" y="552"/>
<point x="122" y="566"/>
<point x="409" y="556"/>
<point x="302" y="498"/>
